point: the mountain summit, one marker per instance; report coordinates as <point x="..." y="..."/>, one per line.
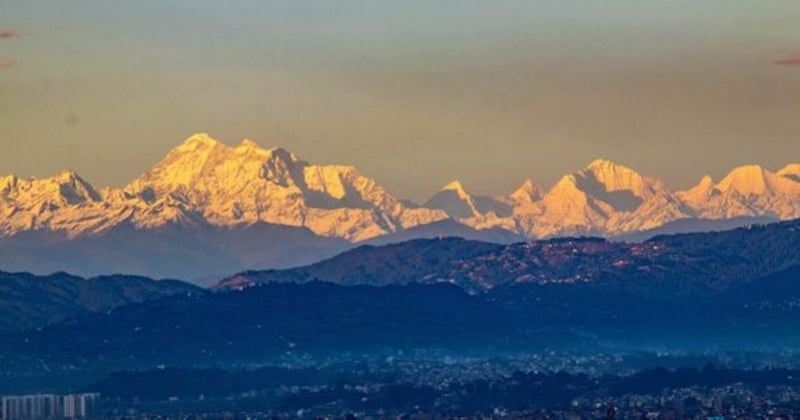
<point x="527" y="193"/>
<point x="246" y="184"/>
<point x="454" y="199"/>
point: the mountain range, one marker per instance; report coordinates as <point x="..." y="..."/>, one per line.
<point x="208" y="209"/>
<point x="665" y="266"/>
<point x="734" y="290"/>
<point x="28" y="301"/>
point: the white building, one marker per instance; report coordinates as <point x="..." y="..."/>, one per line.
<point x="24" y="407"/>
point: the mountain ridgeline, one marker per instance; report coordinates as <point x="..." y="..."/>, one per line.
<point x="208" y="209"/>
<point x="664" y="266"/>
<point x="29" y="301"/>
<point x="725" y="290"/>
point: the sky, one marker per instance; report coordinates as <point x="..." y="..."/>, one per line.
<point x="414" y="93"/>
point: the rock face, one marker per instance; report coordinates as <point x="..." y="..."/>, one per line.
<point x="204" y="193"/>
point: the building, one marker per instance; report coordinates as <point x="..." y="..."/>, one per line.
<point x="80" y="405"/>
<point x="49" y="406"/>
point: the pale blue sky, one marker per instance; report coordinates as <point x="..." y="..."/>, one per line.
<point x="414" y="93"/>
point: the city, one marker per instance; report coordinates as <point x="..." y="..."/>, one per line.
<point x="381" y="209"/>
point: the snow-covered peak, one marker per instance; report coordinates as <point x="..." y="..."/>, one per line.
<point x="567" y="184"/>
<point x="748" y="190"/>
<point x="566" y="199"/>
<point x="249" y="143"/>
<point x="66" y="177"/>
<point x="454" y="185"/>
<point x="454" y="199"/>
<point x="608" y="184"/>
<point x="746" y="180"/>
<point x="457" y="187"/>
<point x="197" y="141"/>
<point x="603" y="197"/>
<point x="703" y="187"/>
<point x="248" y="146"/>
<point x="615" y="177"/>
<point x="602" y="165"/>
<point x="201" y="165"/>
<point x="65" y="188"/>
<point x="248" y="183"/>
<point x="698" y="194"/>
<point x="74" y="188"/>
<point x="181" y="167"/>
<point x="528" y="192"/>
<point x="458" y="203"/>
<point x="755" y="180"/>
<point x="705" y="182"/>
<point x="791" y="171"/>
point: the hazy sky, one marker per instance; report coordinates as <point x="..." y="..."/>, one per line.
<point x="414" y="93"/>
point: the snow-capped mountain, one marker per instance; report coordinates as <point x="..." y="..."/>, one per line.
<point x="747" y="191"/>
<point x="454" y="199"/>
<point x="228" y="186"/>
<point x="207" y="204"/>
<point x="602" y="199"/>
<point x="63" y="202"/>
<point x="205" y="209"/>
<point x="608" y="199"/>
<point x="596" y="200"/>
<point x="205" y="182"/>
<point x="527" y="193"/>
